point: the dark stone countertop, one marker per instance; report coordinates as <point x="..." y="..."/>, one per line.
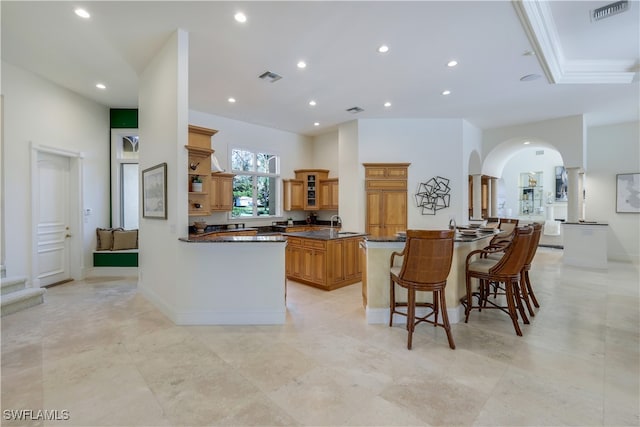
<point x="325" y="234"/>
<point x="238" y="239"/>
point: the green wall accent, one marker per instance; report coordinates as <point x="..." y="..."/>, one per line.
<point x="115" y="259"/>
<point x="124" y="118"/>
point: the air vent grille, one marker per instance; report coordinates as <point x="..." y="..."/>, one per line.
<point x="609" y="10"/>
<point x="270" y="76"/>
<point x="539" y="152"/>
<point x="355" y="110"/>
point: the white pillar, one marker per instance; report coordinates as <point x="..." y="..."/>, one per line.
<point x="477" y="196"/>
<point x="574" y="196"/>
<point x="493" y="199"/>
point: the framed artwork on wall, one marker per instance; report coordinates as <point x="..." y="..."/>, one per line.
<point x="628" y="193"/>
<point x="561" y="184"/>
<point x="154" y="192"/>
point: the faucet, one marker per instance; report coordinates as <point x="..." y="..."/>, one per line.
<point x="337" y="218"/>
<point x="452" y="224"/>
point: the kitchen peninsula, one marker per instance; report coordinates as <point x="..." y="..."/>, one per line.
<point x="375" y="290"/>
<point x="232" y="279"/>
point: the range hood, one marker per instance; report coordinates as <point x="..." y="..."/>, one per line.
<point x="215" y="165"/>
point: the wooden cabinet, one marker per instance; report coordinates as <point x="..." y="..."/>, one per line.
<point x="328" y="189"/>
<point x="386" y="199"/>
<point x="221" y="192"/>
<point x="310" y="191"/>
<point x="326" y="264"/>
<point x="199" y="170"/>
<point x="293" y="190"/>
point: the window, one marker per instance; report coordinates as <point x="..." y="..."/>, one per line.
<point x="255" y="185"/>
<point x="124" y="178"/>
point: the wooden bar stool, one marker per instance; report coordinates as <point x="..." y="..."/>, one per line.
<point x="507" y="270"/>
<point x="427" y="257"/>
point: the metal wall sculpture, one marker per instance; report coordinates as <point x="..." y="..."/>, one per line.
<point x="433" y="195"/>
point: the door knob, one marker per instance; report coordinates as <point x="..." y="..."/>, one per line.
<point x="67" y="236"/>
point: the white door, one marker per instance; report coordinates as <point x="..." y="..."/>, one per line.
<point x="52" y="222"/>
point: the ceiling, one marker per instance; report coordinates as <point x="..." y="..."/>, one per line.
<point x="574" y="56"/>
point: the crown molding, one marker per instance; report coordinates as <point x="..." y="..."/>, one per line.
<point x="537" y="20"/>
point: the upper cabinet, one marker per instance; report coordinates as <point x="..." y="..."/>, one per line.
<point x="221" y="193"/>
<point x="328" y="189"/>
<point x="293" y="190"/>
<point x="311" y="190"/>
<point x="386" y="202"/>
<point x="199" y="170"/>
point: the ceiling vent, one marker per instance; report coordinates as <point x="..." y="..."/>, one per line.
<point x="539" y="152"/>
<point x="609" y="10"/>
<point x="270" y="76"/>
<point x="355" y="110"/>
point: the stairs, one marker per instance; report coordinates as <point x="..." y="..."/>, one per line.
<point x="16" y="296"/>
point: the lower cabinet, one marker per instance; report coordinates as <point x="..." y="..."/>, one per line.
<point x="326" y="264"/>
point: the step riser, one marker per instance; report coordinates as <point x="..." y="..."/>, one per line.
<point x="12" y="288"/>
<point x="22" y="304"/>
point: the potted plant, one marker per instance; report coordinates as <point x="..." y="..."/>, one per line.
<point x="289" y="221"/>
<point x="196" y="183"/>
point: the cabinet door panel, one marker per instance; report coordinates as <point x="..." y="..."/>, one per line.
<point x="394" y="208"/>
<point x="319" y="263"/>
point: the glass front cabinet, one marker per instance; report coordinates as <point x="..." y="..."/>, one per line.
<point x="531" y="193"/>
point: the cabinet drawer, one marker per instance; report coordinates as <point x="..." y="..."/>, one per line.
<point x="397" y="173"/>
<point x="374" y="172"/>
<point x="387" y="184"/>
<point x="294" y="241"/>
<point x="315" y="244"/>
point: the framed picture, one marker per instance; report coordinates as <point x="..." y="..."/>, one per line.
<point x="154" y="192"/>
<point x="561" y="184"/>
<point x="628" y="193"/>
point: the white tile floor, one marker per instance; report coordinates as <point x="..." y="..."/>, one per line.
<point x="99" y="350"/>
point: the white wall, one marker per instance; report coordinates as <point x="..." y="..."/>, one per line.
<point x="434" y="147"/>
<point x="612" y="150"/>
<point x="163" y="127"/>
<point x="351" y="200"/>
<point x="471" y="164"/>
<point x="295" y="152"/>
<point x="325" y="153"/>
<point x="38" y="111"/>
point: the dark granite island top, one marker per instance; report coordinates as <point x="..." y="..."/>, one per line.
<point x="325" y="234"/>
<point x="234" y="239"/>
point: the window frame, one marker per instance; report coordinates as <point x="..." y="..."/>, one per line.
<point x="116" y="174"/>
<point x="255" y="174"/>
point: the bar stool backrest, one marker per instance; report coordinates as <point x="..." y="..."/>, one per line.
<point x="427" y="256"/>
<point x="515" y="254"/>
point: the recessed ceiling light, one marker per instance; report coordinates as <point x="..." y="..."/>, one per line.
<point x="231" y="100"/>
<point x="316" y="124"/>
<point x="387" y="104"/>
<point x="302" y="64"/>
<point x="312" y="103"/>
<point x="446" y="92"/>
<point x="383" y="49"/>
<point x="452" y="63"/>
<point x="82" y="13"/>
<point x="530" y="77"/>
<point x="526" y="142"/>
<point x="240" y="17"/>
<point x="100" y="86"/>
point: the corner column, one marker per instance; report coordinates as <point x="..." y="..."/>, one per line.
<point x="574" y="192"/>
<point x="493" y="197"/>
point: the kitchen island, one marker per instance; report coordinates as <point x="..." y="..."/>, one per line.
<point x="231" y="280"/>
<point x="327" y="259"/>
<point x="375" y="290"/>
